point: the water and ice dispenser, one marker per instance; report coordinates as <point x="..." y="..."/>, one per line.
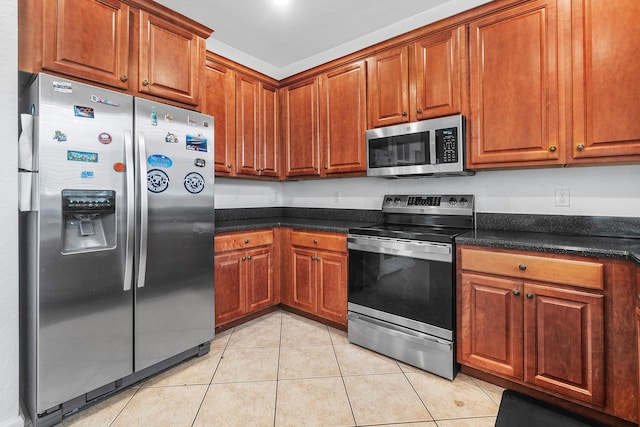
<point x="89" y="220"/>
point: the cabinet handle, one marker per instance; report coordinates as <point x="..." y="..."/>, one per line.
<point x="516" y="292"/>
<point x="313" y="258"/>
<point x="326" y="167"/>
<point x="246" y="241"/>
<point x="317" y="258"/>
<point x="315" y="168"/>
<point x="419" y="110"/>
<point x="553" y="148"/>
<point x="244" y="258"/>
<point x="315" y="241"/>
<point x="124" y="78"/>
<point x="529" y="295"/>
<point x="522" y="267"/>
<point x="145" y="82"/>
<point x="250" y="257"/>
<point x="229" y="165"/>
<point x="404" y="114"/>
<point x="580" y="147"/>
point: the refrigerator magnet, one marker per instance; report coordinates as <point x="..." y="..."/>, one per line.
<point x="59" y="136"/>
<point x="196" y="143"/>
<point x="85" y="112"/>
<point x="159" y="161"/>
<point x="82" y="156"/>
<point x="86" y="174"/>
<point x="119" y="167"/>
<point x="100" y="100"/>
<point x="171" y="138"/>
<point x="104" y="138"/>
<point x="62" y="87"/>
<point x="157" y="181"/>
<point x="194" y="182"/>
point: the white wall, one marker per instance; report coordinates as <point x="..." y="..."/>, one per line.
<point x="597" y="190"/>
<point x="9" y="407"/>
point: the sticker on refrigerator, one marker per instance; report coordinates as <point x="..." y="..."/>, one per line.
<point x="82" y="156"/>
<point x="191" y="122"/>
<point x="86" y="174"/>
<point x="196" y="143"/>
<point x="157" y="181"/>
<point x="59" y="136"/>
<point x="160" y="161"/>
<point x="86" y="112"/>
<point x="100" y="100"/>
<point x="154" y="117"/>
<point x="63" y="87"/>
<point x="168" y="118"/>
<point x="194" y="182"/>
<point x="171" y="138"/>
<point x="119" y="167"/>
<point x="198" y="162"/>
<point x="104" y="138"/>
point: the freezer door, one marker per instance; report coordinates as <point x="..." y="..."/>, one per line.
<point x="174" y="272"/>
<point x="80" y="302"/>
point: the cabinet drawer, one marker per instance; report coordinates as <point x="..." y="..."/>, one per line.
<point x="318" y="240"/>
<point x="242" y="240"/>
<point x="585" y="274"/>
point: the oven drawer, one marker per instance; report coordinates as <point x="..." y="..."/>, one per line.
<point x="584" y="274"/>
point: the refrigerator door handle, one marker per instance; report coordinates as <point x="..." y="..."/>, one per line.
<point x="144" y="206"/>
<point x="130" y="230"/>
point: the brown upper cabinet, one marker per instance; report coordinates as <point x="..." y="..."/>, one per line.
<point x="325" y="122"/>
<point x="417" y="81"/>
<point x="137" y="46"/>
<point x="220" y="102"/>
<point x="606" y="88"/>
<point x="514" y="87"/>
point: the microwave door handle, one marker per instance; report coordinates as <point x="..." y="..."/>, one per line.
<point x="144" y="209"/>
<point x="432" y="147"/>
<point x="130" y="217"/>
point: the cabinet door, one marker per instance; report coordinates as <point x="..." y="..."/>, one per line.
<point x="247" y="101"/>
<point x="229" y="288"/>
<point x="332" y="286"/>
<point x="87" y="39"/>
<point x="491" y="324"/>
<point x="564" y="344"/>
<point x="388" y="84"/>
<point x="259" y="278"/>
<point x="220" y="103"/>
<point x="303" y="279"/>
<point x="438" y="74"/>
<point x="302" y="144"/>
<point x="606" y="88"/>
<point x="169" y="61"/>
<point x="514" y="87"/>
<point x="269" y="147"/>
<point x="343" y="119"/>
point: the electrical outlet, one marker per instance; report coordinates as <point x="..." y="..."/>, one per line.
<point x="562" y="197"/>
<point x="336" y="197"/>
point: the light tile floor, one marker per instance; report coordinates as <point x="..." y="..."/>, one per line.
<point x="284" y="370"/>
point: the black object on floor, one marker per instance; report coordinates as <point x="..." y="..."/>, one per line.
<point x="519" y="410"/>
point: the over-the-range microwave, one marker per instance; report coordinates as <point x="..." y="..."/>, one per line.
<point x="432" y="147"/>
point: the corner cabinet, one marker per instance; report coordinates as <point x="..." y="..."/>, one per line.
<point x="515" y="87"/>
<point x="136" y="46"/>
<point x="317" y="274"/>
<point x="556" y="324"/>
<point x="244" y="264"/>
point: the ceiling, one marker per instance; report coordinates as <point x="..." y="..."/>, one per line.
<point x="281" y="40"/>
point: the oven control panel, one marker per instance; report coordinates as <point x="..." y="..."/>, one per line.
<point x="399" y="203"/>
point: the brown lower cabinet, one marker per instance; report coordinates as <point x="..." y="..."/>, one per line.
<point x="552" y="323"/>
<point x="244" y="274"/>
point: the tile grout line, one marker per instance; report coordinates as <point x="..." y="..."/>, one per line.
<point x="333" y="347"/>
<point x="275" y="401"/>
<point x="416" y="392"/>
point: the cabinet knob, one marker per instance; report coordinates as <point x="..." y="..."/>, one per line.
<point x="124" y="78"/>
<point x="246" y="241"/>
<point x="315" y="168"/>
<point x="244" y="258"/>
<point x="404" y="114"/>
<point x="229" y="165"/>
<point x="529" y="295"/>
<point x="516" y="292"/>
<point x="313" y="258"/>
<point x="522" y="267"/>
<point x="326" y="167"/>
<point x="315" y="241"/>
<point x="250" y="257"/>
<point x="145" y="82"/>
<point x="553" y="148"/>
<point x="419" y="110"/>
<point x="580" y="147"/>
<point x="317" y="258"/>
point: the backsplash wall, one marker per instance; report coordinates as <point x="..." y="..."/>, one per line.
<point x="598" y="190"/>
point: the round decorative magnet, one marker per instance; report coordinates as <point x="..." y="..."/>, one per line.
<point x="157" y="181"/>
<point x="119" y="167"/>
<point x="104" y="138"/>
<point x="194" y="182"/>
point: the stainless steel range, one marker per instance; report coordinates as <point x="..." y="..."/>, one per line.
<point x="401" y="299"/>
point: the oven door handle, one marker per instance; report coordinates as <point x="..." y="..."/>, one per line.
<point x="426" y="251"/>
<point x="406" y="334"/>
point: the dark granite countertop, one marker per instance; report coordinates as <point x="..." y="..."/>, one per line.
<point x="585" y="236"/>
<point x="317" y="219"/>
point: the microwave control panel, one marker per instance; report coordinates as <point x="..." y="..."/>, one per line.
<point x="447" y="145"/>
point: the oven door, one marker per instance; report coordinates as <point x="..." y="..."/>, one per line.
<point x="405" y="282"/>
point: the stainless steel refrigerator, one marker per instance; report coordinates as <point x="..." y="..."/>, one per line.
<point x="116" y="241"/>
